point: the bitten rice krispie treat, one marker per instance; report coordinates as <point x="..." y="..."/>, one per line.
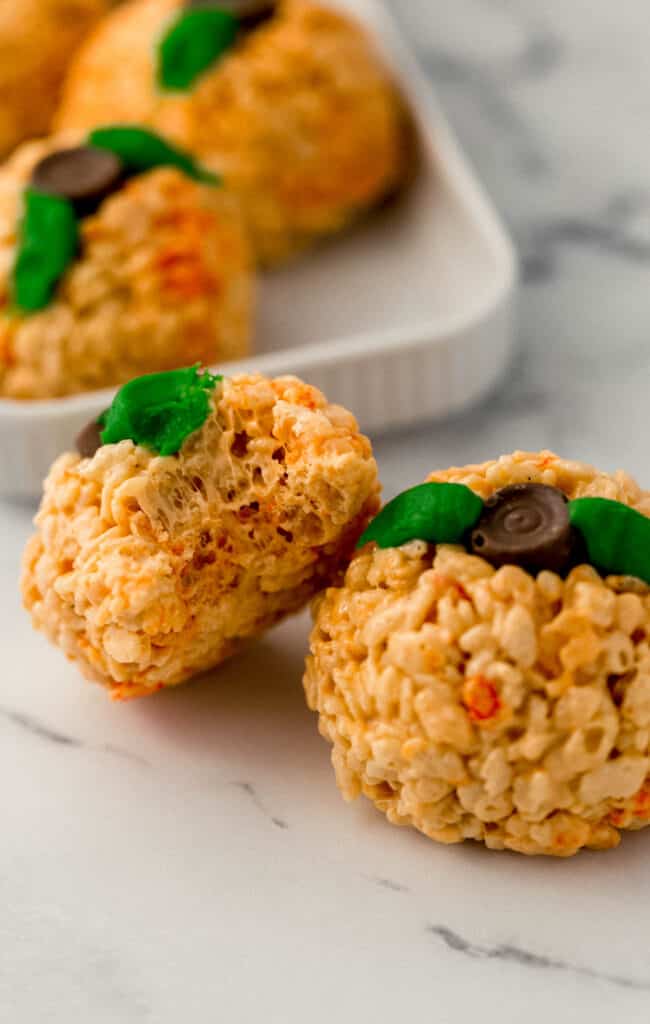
<point x="118" y="254"/>
<point x="37" y="40"/>
<point x="484" y="670"/>
<point x="288" y="100"/>
<point x="199" y="512"/>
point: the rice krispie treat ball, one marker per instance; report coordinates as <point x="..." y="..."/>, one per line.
<point x="483" y="672"/>
<point x="118" y="255"/>
<point x="213" y="509"/>
<point x="37" y="40"/>
<point x="291" y="104"/>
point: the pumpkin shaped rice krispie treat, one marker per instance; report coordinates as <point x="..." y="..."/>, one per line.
<point x="287" y="100"/>
<point x="119" y="254"/>
<point x="483" y="672"/>
<point x="198" y="512"/>
<point x="37" y="40"/>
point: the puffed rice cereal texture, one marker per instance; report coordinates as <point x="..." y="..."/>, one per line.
<point x="37" y="40"/>
<point x="164" y="279"/>
<point x="147" y="570"/>
<point x="475" y="703"/>
<point x="301" y="117"/>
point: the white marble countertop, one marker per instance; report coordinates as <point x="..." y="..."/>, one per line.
<point x="188" y="858"/>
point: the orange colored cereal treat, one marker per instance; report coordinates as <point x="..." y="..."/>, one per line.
<point x="483" y="671"/>
<point x="289" y="101"/>
<point x="120" y="254"/>
<point x="198" y="512"/>
<point x="37" y="41"/>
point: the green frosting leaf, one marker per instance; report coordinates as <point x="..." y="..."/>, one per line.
<point x="617" y="537"/>
<point x="159" y="410"/>
<point x="48" y="242"/>
<point x="437" y="513"/>
<point x="196" y="39"/>
<point x="141" y="150"/>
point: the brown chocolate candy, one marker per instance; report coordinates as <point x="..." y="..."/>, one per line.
<point x="526" y="525"/>
<point x="83" y="175"/>
<point x="89" y="440"/>
<point x="250" y="13"/>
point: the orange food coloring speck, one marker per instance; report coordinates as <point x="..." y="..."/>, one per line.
<point x="641" y="805"/>
<point x="480" y="698"/>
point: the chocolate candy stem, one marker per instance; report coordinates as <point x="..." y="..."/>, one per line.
<point x="89" y="439"/>
<point x="526" y="525"/>
<point x="83" y="175"/>
<point x="249" y="13"/>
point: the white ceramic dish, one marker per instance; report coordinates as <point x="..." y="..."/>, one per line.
<point x="408" y="317"/>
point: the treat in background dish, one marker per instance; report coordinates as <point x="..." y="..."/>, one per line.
<point x="37" y="40"/>
<point x="483" y="672"/>
<point x="240" y="500"/>
<point x="119" y="254"/>
<point x="289" y="101"/>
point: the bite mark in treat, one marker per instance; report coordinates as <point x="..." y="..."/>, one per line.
<point x="149" y="568"/>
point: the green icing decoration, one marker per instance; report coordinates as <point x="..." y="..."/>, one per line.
<point x="159" y="410"/>
<point x="48" y="242"/>
<point x="617" y="537"/>
<point x="141" y="150"/>
<point x="438" y="513"/>
<point x="193" y="43"/>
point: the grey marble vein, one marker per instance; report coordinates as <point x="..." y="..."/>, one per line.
<point x="387" y="883"/>
<point x="45" y="732"/>
<point x="541" y="54"/>
<point x="249" y="789"/>
<point x="37" y="728"/>
<point x="614" y="232"/>
<point x="542" y="49"/>
<point x="508" y="953"/>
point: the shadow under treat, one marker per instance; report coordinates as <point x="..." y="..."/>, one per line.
<point x="248" y="714"/>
